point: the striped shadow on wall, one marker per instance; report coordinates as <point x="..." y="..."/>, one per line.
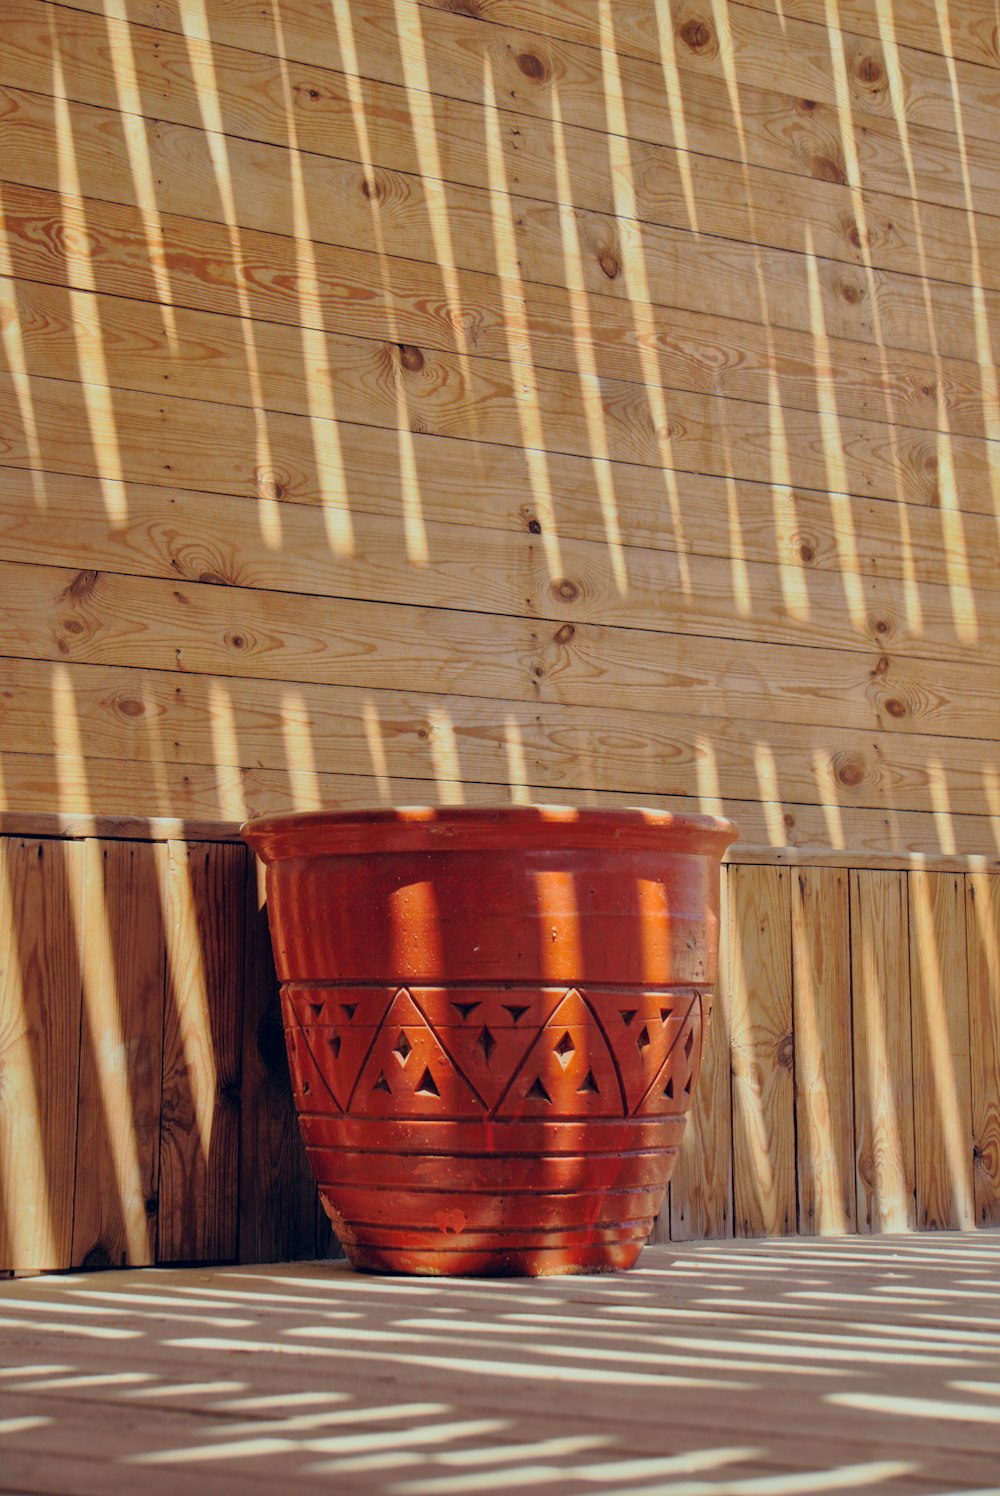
<point x="851" y="1082"/>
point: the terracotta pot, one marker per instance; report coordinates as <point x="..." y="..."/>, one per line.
<point x="494" y="1022"/>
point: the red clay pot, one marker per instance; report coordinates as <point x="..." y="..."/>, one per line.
<point x="494" y="1022"/>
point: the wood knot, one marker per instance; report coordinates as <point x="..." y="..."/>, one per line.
<point x="789" y="821"/>
<point x="535" y="527"/>
<point x="565" y="590"/>
<point x="697" y="35"/>
<point x="854" y="234"/>
<point x="850" y="772"/>
<point x="881" y="626"/>
<point x="564" y="634"/>
<point x="82" y="585"/>
<point x="151" y="1204"/>
<point x="808" y="105"/>
<point x="895" y="707"/>
<point x="129" y="707"/>
<point x="373" y="189"/>
<point x="784" y="1053"/>
<point x="235" y="641"/>
<point x="806" y="552"/>
<point x="851" y="292"/>
<point x="827" y="170"/>
<point x="538" y="671"/>
<point x="610" y="264"/>
<point x="868" y="71"/>
<point x="411" y="358"/>
<point x="269" y="486"/>
<point x="881" y="665"/>
<point x="73" y="626"/>
<point x="532" y="67"/>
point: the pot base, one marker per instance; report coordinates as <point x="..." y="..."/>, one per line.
<point x="562" y="1168"/>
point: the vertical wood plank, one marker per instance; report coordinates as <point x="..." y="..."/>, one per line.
<point x="277" y="1188"/>
<point x="41" y="885"/>
<point x="883" y="1059"/>
<point x="701" y="1191"/>
<point x="763" y="1058"/>
<point x="942" y="1085"/>
<point x="118" y="1118"/>
<point x="983" y="931"/>
<point x="824" y="1086"/>
<point x="199" y="1124"/>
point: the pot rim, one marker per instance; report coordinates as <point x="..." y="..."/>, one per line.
<point x="426" y="828"/>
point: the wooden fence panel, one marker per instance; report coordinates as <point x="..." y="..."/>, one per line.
<point x="116" y="1192"/>
<point x="824" y="1094"/>
<point x="701" y="1191"/>
<point x="983" y="931"/>
<point x="883" y="1055"/>
<point x="41" y="917"/>
<point x="202" y="1051"/>
<point x="763" y="1048"/>
<point x="942" y="1102"/>
<point x="277" y="1189"/>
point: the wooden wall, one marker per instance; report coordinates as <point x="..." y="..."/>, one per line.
<point x="412" y="401"/>
<point x="851" y="1083"/>
<point x="418" y="401"/>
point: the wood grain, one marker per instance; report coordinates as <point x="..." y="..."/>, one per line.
<point x="883" y="1052"/>
<point x="735" y="202"/>
<point x="200" y="349"/>
<point x="969" y="34"/>
<point x="983" y="931"/>
<point x="763" y="1051"/>
<point x="824" y="1097"/>
<point x="175" y="532"/>
<point x="156" y="717"/>
<point x="199" y="1130"/>
<point x="118" y="1112"/>
<point x="448" y="395"/>
<point x="356" y="291"/>
<point x="942" y="1103"/>
<point x="774" y="129"/>
<point x="701" y="1189"/>
<point x="41" y="910"/>
<point x="208" y="802"/>
<point x="771" y="47"/>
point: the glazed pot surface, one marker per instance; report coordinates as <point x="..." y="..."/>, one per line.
<point x="494" y="1021"/>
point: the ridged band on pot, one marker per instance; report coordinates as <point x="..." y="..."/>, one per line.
<point x="494" y="1022"/>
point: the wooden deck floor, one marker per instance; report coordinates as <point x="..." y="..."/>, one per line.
<point x="754" y="1368"/>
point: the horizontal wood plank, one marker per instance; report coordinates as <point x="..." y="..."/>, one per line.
<point x="120" y="797"/>
<point x="509" y="177"/>
<point x="127" y="346"/>
<point x="62" y="335"/>
<point x="184" y="534"/>
<point x="766" y="45"/>
<point x="344" y="286"/>
<point x="390" y="49"/>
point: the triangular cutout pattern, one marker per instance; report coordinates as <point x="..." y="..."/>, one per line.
<point x="340" y="1038"/>
<point x="486" y="1032"/>
<point x="568" y="1071"/>
<point x="409" y="1074"/>
<point x="670" y="1092"/>
<point x="310" y="1083"/>
<point x="642" y="1032"/>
